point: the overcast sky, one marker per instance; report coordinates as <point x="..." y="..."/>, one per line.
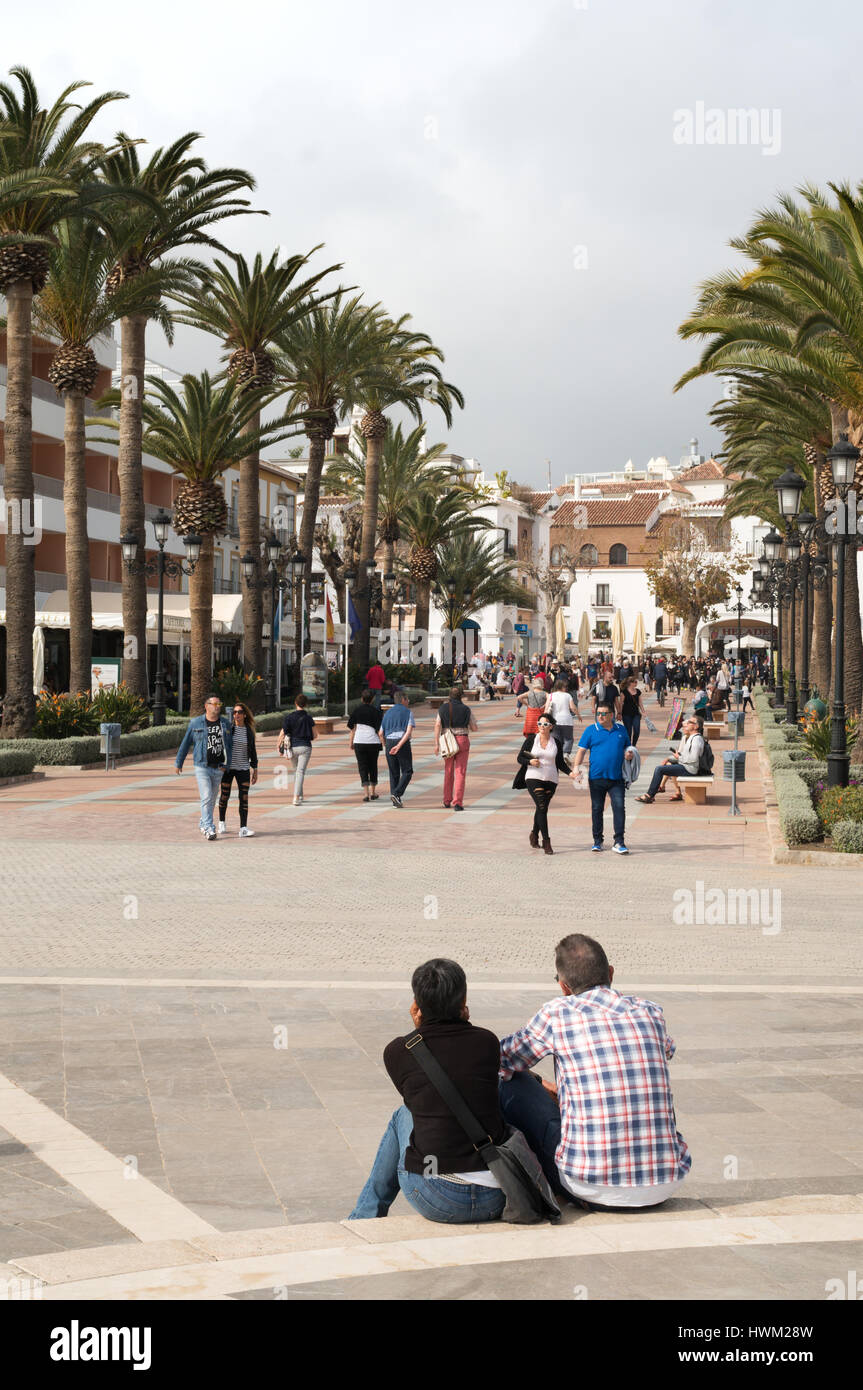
<point x="508" y="174"/>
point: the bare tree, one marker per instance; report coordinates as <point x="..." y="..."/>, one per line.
<point x="552" y="582"/>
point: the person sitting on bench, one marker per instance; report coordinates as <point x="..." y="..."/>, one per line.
<point x="684" y="763"/>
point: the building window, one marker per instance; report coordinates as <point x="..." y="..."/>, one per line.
<point x="603" y="597"/>
<point x="588" y="555"/>
<point x="235" y="573"/>
<point x="660" y="629"/>
<point x="556" y="554"/>
<point x="617" y="555"/>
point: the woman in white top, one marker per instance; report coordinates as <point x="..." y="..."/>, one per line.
<point x="561" y="704"/>
<point x="541" y="761"/>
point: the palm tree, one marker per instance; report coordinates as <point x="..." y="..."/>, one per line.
<point x="250" y="308"/>
<point x="407" y="375"/>
<point x="46" y="176"/>
<point x="404" y="473"/>
<point x="430" y="521"/>
<point x="186" y="199"/>
<point x="75" y="307"/>
<point x="201" y="433"/>
<point x="323" y="357"/>
<point x="474" y="563"/>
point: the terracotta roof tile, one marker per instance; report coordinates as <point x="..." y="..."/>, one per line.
<point x="707" y="472"/>
<point x="608" y="511"/>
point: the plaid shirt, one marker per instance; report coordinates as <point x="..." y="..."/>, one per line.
<point x="611" y="1054"/>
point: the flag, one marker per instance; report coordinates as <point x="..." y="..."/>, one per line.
<point x="331" y="632"/>
<point x="353" y="618"/>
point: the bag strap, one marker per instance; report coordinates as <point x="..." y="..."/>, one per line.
<point x="479" y="1137"/>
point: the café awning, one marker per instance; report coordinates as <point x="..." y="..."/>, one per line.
<point x="108" y="613"/>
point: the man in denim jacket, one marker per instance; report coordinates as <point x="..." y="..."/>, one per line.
<point x="210" y="737"/>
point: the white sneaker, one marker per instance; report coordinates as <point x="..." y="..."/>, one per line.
<point x="298" y="801"/>
<point x="221" y="827"/>
<point x="245" y="832"/>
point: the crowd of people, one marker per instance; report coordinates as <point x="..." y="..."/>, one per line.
<point x="600" y="697"/>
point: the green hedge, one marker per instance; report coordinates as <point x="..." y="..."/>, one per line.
<point x="68" y="752"/>
<point x="797" y="816"/>
<point x="812" y="773"/>
<point x="848" y="837"/>
<point x="16" y="762"/>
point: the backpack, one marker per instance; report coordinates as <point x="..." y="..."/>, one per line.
<point x="705" y="762"/>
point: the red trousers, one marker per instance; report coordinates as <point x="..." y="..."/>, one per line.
<point x="454" y="772"/>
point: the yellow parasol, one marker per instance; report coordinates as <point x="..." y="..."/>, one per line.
<point x="638" y="640"/>
<point x="560" y="633"/>
<point x="618" y="634"/>
<point x="584" y="637"/>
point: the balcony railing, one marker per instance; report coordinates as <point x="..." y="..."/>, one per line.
<point x="602" y="600"/>
<point x="44" y="391"/>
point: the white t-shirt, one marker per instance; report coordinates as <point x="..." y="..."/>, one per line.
<point x="547" y="770"/>
<point x="364" y="733"/>
<point x="621" y="1196"/>
<point x="560" y="707"/>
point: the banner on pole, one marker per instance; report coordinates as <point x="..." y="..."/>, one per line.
<point x="674" y="717"/>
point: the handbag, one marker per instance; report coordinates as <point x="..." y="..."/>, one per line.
<point x="529" y="1198"/>
<point x="449" y="745"/>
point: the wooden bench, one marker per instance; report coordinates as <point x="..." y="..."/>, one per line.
<point x="695" y="789"/>
<point x="435" y="701"/>
<point x="719" y="716"/>
<point x="714" y="731"/>
<point x="472" y="696"/>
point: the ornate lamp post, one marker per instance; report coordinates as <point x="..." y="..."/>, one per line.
<point x="789" y="494"/>
<point x="792" y="557"/>
<point x="740" y="608"/>
<point x="843" y="463"/>
<point x="161" y="566"/>
<point x="273" y="581"/>
<point x="806" y="524"/>
<point x="772" y="546"/>
<point x="350" y="578"/>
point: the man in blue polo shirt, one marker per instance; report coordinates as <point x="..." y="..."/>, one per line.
<point x="396" y="727"/>
<point x="608" y="745"/>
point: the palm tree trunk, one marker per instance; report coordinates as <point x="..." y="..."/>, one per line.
<point x="387" y="600"/>
<point x="201" y="613"/>
<point x="423" y="606"/>
<point x="311" y="498"/>
<point x="853" y="635"/>
<point x="19" y="517"/>
<point x="250" y="543"/>
<point x="374" y="449"/>
<point x="130" y="475"/>
<point x="77" y="544"/>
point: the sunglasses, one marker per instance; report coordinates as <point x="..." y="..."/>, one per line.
<point x="543" y="724"/>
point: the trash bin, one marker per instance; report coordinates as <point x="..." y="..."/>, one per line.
<point x="110" y="741"/>
<point x="734" y="766"/>
<point x="738" y="717"/>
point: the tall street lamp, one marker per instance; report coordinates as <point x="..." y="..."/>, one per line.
<point x="792" y="556"/>
<point x="772" y="547"/>
<point x="273" y="581"/>
<point x="161" y="565"/>
<point x="806" y="524"/>
<point x="789" y="494"/>
<point x="350" y="578"/>
<point x="843" y="463"/>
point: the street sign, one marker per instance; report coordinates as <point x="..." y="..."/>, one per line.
<point x="520" y="627"/>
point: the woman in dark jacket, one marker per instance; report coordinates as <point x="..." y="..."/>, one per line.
<point x="541" y="760"/>
<point x="243" y="766"/>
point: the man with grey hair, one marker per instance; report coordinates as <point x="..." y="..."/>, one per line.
<point x="605" y="1130"/>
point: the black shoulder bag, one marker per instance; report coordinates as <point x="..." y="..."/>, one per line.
<point x="529" y="1197"/>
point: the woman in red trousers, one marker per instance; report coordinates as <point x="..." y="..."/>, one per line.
<point x="455" y="715"/>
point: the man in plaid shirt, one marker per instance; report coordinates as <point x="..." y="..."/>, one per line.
<point x="605" y="1131"/>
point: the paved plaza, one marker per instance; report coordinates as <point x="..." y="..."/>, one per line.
<point x="191" y="1083"/>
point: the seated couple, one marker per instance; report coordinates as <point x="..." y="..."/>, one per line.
<point x="604" y="1131"/>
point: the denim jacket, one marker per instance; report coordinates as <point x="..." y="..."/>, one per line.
<point x="196" y="737"/>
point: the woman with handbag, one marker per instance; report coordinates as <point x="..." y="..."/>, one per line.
<point x="425" y="1153"/>
<point x="541" y="761"/>
<point x="533" y="700"/>
<point x="295" y="742"/>
<point x="452" y="729"/>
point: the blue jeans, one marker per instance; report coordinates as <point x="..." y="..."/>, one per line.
<point x="209" y="781"/>
<point x="528" y="1106"/>
<point x="632" y="724"/>
<point x="434" y="1198"/>
<point x="400" y="768"/>
<point x="666" y="770"/>
<point x="615" y="790"/>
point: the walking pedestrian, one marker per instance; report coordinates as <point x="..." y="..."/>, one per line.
<point x="608" y="745"/>
<point x="541" y="761"/>
<point x="398" y="724"/>
<point x="295" y="742"/>
<point x="533" y="700"/>
<point x="632" y="709"/>
<point x="366" y="741"/>
<point x="376" y="678"/>
<point x="210" y="738"/>
<point x="243" y="767"/>
<point x="456" y="716"/>
<point x="746" y="696"/>
<point x="565" y="710"/>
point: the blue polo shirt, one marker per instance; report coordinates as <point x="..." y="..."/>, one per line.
<point x="607" y="747"/>
<point x="396" y="721"/>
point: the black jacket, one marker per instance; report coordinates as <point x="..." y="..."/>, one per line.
<point x="525" y="755"/>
